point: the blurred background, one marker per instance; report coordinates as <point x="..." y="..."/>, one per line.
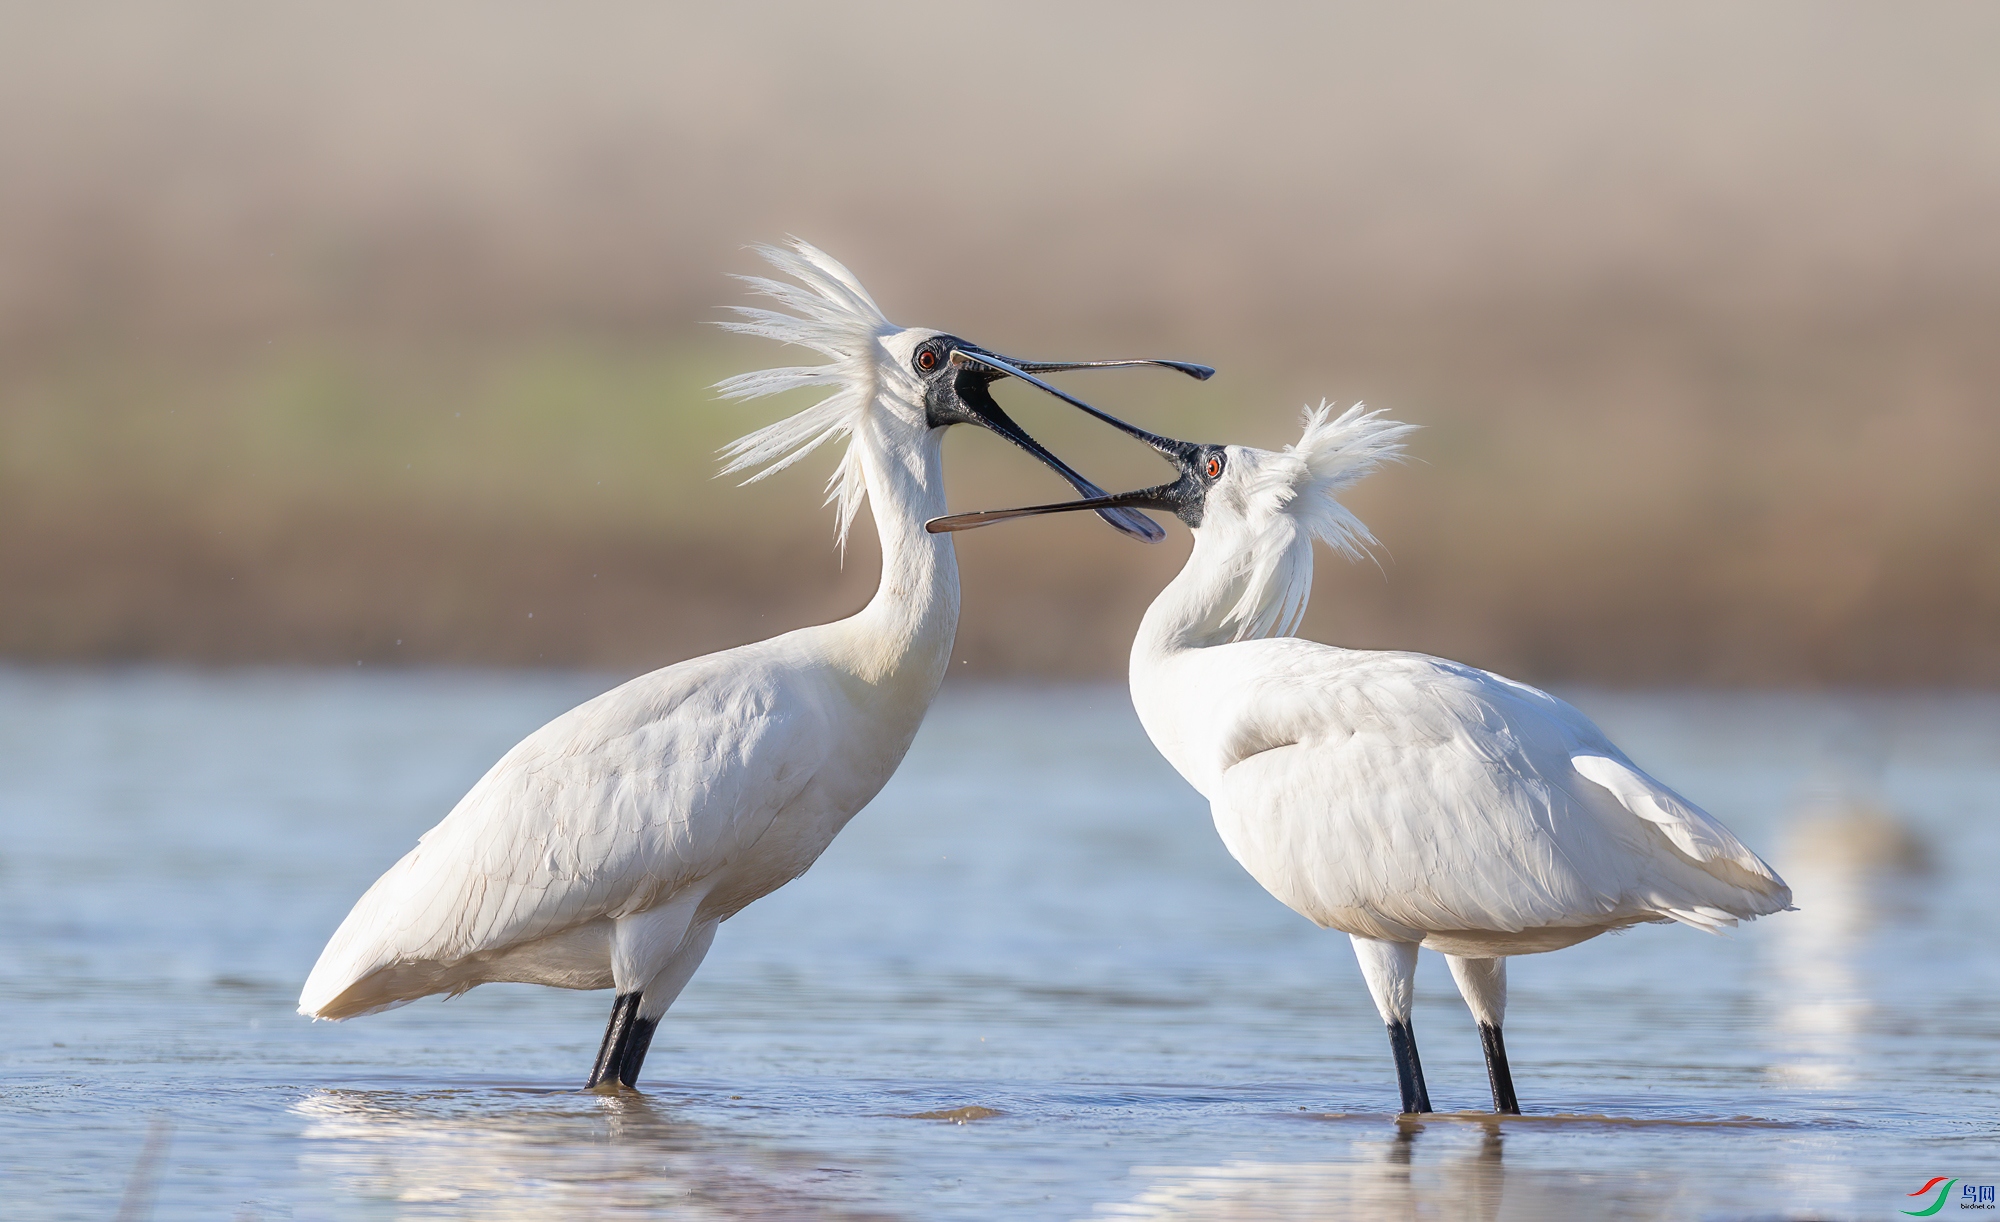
<point x="374" y="333"/>
<point x="373" y="338"/>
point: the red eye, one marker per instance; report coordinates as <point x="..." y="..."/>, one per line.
<point x="1214" y="467"/>
<point x="926" y="360"/>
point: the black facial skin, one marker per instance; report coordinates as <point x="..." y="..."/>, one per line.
<point x="1201" y="466"/>
<point x="953" y="392"/>
<point x="957" y="377"/>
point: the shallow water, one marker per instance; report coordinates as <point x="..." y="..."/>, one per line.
<point x="1026" y="983"/>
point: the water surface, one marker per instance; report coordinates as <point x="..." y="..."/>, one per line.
<point x="1027" y="982"/>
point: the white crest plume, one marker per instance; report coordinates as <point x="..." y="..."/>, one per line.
<point x="833" y="315"/>
<point x="1288" y="500"/>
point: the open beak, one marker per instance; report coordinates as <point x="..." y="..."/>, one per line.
<point x="980" y="368"/>
<point x="1181" y="498"/>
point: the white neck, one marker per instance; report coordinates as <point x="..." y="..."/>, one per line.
<point x="901" y="641"/>
<point x="1189" y="613"/>
<point x="1168" y="689"/>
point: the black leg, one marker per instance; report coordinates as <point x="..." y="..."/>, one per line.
<point x="635" y="1049"/>
<point x="617" y="1040"/>
<point x="1409" y="1070"/>
<point x="1497" y="1072"/>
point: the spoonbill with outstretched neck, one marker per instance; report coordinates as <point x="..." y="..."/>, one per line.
<point x="603" y="850"/>
<point x="1402" y="799"/>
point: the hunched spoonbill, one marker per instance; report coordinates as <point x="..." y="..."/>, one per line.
<point x="1404" y="800"/>
<point x="603" y="850"/>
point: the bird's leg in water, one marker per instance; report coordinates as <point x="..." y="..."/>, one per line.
<point x="635" y="1050"/>
<point x="1483" y="984"/>
<point x="617" y="1047"/>
<point x="1497" y="1072"/>
<point x="1391" y="971"/>
<point x="626" y="1040"/>
<point x="1409" y="1070"/>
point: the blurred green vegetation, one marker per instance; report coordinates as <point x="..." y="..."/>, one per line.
<point x="556" y="433"/>
<point x="556" y="500"/>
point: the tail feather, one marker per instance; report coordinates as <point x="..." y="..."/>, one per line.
<point x="1698" y="837"/>
<point x="377" y="960"/>
<point x="357" y="951"/>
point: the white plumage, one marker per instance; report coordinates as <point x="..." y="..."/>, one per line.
<point x="1402" y="799"/>
<point x="650" y="803"/>
<point x="605" y="848"/>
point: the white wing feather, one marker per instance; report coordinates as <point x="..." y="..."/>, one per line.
<point x="1397" y="795"/>
<point x="659" y="784"/>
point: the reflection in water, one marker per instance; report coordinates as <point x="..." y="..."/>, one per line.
<point x="526" y="1155"/>
<point x="1400" y="1177"/>
<point x="1849" y="861"/>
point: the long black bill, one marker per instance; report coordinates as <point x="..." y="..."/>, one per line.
<point x="1200" y="373"/>
<point x="1181" y="498"/>
<point x="1119" y="511"/>
<point x="1160" y="498"/>
<point x="1021" y="370"/>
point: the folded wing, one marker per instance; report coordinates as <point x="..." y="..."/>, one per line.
<point x="606" y="811"/>
<point x="1396" y="794"/>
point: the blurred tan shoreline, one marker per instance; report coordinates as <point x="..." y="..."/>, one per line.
<point x="367" y="335"/>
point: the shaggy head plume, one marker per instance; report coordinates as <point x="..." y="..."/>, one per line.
<point x="1282" y="501"/>
<point x="834" y="316"/>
